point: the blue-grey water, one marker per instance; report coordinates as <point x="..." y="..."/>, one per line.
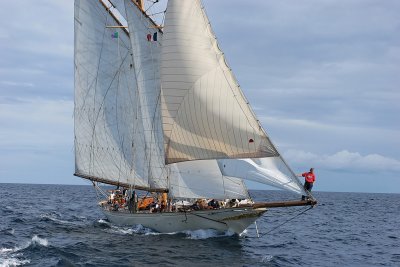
<point x="60" y="225"/>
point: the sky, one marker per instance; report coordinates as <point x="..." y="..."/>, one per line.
<point x="322" y="77"/>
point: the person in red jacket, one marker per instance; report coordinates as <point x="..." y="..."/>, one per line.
<point x="309" y="178"/>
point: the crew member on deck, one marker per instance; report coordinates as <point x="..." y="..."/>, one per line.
<point x="309" y="179"/>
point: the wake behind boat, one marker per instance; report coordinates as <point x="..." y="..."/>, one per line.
<point x="158" y="109"/>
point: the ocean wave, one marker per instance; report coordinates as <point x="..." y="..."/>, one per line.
<point x="8" y="231"/>
<point x="8" y="262"/>
<point x="123" y="231"/>
<point x="6" y="250"/>
<point x="207" y="233"/>
<point x="35" y="241"/>
<point x="142" y="230"/>
<point x="102" y="224"/>
<point x="267" y="258"/>
<point x="53" y="217"/>
<point x="136" y="229"/>
<point x="80" y="218"/>
<point x="101" y="221"/>
<point x="12" y="256"/>
<point x="39" y="241"/>
<point x="18" y="220"/>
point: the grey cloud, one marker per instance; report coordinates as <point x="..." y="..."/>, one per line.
<point x="329" y="61"/>
<point x="322" y="76"/>
<point x="344" y="161"/>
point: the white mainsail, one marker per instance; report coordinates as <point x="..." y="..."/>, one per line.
<point x="146" y="43"/>
<point x="109" y="139"/>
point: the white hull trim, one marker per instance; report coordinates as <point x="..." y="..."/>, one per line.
<point x="233" y="219"/>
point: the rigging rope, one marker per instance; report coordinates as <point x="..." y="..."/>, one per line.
<point x="98" y="189"/>
<point x="153" y="2"/>
<point x="294" y="217"/>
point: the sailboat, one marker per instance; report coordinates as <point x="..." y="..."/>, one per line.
<point x="158" y="109"/>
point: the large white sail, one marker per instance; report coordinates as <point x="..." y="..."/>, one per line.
<point x="130" y="119"/>
<point x="272" y="171"/>
<point x="109" y="139"/>
<point x="205" y="115"/>
<point x="120" y="6"/>
<point x="146" y="45"/>
<point x="203" y="179"/>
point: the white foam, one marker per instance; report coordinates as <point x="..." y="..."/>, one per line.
<point x="6" y="250"/>
<point x="140" y="229"/>
<point x="205" y="234"/>
<point x="103" y="221"/>
<point x="52" y="218"/>
<point x="12" y="262"/>
<point x="137" y="229"/>
<point x="8" y="257"/>
<point x="39" y="241"/>
<point x="117" y="230"/>
<point x="267" y="258"/>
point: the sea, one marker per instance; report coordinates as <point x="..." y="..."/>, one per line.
<point x="61" y="225"/>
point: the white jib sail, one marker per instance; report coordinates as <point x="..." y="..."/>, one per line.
<point x="109" y="139"/>
<point x="146" y="46"/>
<point x="272" y="171"/>
<point x="205" y="115"/>
<point x="203" y="179"/>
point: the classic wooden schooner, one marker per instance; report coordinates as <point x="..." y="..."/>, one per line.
<point x="158" y="109"/>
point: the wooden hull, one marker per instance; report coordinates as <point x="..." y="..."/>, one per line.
<point x="233" y="219"/>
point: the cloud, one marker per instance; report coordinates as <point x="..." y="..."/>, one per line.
<point x="35" y="124"/>
<point x="343" y="161"/>
<point x="42" y="27"/>
<point x="320" y="137"/>
<point x="37" y="49"/>
<point x="17" y="84"/>
<point x="321" y="75"/>
<point x="329" y="61"/>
